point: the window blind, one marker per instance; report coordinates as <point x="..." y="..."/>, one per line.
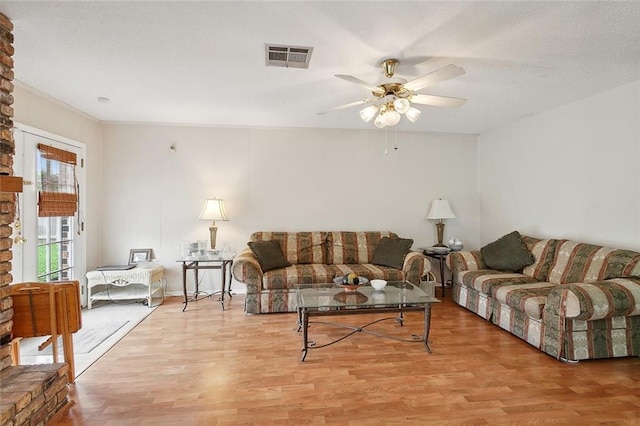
<point x="58" y="187"/>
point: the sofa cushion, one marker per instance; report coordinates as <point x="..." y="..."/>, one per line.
<point x="269" y="255"/>
<point x="318" y="274"/>
<point x="370" y="271"/>
<point x="353" y="247"/>
<point x="508" y="253"/>
<point x="485" y="280"/>
<point x="298" y="247"/>
<point x="529" y="298"/>
<point x="579" y="262"/>
<point x="392" y="251"/>
<point x="315" y="273"/>
<point x="602" y="299"/>
<point x="543" y="252"/>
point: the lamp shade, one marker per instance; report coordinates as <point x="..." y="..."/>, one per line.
<point x="213" y="210"/>
<point x="412" y="114"/>
<point x="440" y="209"/>
<point x="401" y="105"/>
<point x="391" y="118"/>
<point x="368" y="113"/>
<point x="379" y="121"/>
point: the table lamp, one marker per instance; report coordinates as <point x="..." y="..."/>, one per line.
<point x="440" y="209"/>
<point x="213" y="210"/>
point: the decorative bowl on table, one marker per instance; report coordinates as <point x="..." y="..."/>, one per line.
<point x="455" y="244"/>
<point x="350" y="282"/>
<point x="439" y="250"/>
<point x="378" y="284"/>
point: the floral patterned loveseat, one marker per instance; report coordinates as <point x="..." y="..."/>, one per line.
<point x="316" y="257"/>
<point x="576" y="301"/>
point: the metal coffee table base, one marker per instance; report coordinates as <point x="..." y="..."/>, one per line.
<point x="304" y="315"/>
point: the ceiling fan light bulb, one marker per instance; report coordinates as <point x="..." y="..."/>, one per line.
<point x="379" y="121"/>
<point x="412" y="114"/>
<point x="391" y="118"/>
<point x="368" y="113"/>
<point x="401" y="105"/>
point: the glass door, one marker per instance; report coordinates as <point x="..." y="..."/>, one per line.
<point x="56" y="248"/>
<point x="46" y="248"/>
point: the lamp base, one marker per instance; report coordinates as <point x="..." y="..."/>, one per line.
<point x="213" y="230"/>
<point x="440" y="230"/>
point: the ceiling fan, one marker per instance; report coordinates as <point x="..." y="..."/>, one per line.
<point x="394" y="98"/>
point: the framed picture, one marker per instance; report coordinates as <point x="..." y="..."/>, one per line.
<point x="139" y="255"/>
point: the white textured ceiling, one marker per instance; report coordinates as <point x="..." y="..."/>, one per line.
<point x="203" y="62"/>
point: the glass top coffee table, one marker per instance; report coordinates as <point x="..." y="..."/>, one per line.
<point x="397" y="297"/>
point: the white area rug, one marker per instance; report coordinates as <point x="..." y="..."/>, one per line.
<point x="102" y="327"/>
<point x="89" y="337"/>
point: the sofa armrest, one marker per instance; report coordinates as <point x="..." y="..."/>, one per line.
<point x="415" y="267"/>
<point x="247" y="270"/>
<point x="465" y="260"/>
<point x="618" y="297"/>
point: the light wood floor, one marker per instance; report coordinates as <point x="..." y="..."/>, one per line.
<point x="208" y="367"/>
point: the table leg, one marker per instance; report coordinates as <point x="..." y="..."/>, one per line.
<point x="442" y="274"/>
<point x="184" y="285"/>
<point x="224" y="282"/>
<point x="427" y="325"/>
<point x="230" y="277"/>
<point x="299" y="312"/>
<point x="305" y="333"/>
<point x="195" y="275"/>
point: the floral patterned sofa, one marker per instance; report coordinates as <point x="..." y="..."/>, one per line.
<point x="316" y="257"/>
<point x="576" y="301"/>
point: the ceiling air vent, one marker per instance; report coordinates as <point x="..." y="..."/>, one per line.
<point x="278" y="55"/>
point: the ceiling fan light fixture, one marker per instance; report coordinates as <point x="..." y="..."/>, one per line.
<point x="391" y="118"/>
<point x="412" y="114"/>
<point x="368" y="113"/>
<point x="401" y="105"/>
<point x="395" y="96"/>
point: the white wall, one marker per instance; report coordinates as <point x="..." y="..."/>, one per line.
<point x="277" y="179"/>
<point x="44" y="113"/>
<point x="571" y="172"/>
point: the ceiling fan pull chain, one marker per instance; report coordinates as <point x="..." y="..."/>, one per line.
<point x="386" y="143"/>
<point x="395" y="147"/>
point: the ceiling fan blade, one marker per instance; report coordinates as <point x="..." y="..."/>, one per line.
<point x="352" y="79"/>
<point x="349" y="105"/>
<point x="372" y="101"/>
<point x="442" y="74"/>
<point x="439" y="101"/>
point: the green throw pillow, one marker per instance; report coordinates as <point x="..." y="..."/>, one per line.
<point x="269" y="255"/>
<point x="508" y="253"/>
<point x="392" y="251"/>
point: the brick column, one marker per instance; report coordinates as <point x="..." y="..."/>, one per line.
<point x="7" y="200"/>
<point x="29" y="394"/>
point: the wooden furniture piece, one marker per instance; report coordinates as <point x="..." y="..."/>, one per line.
<point x="130" y="284"/>
<point x="205" y="263"/>
<point x="47" y="309"/>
